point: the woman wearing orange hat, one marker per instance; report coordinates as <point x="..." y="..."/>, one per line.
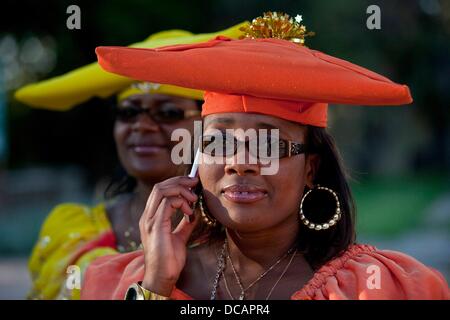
<point x="288" y="235"/>
<point x="145" y="117"/>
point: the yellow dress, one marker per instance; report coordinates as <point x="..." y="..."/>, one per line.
<point x="66" y="230"/>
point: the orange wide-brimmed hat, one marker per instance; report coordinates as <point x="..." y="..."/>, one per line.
<point x="270" y="76"/>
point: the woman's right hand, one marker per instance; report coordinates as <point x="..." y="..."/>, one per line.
<point x="165" y="250"/>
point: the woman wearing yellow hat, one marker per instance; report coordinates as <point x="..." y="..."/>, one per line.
<point x="145" y="116"/>
<point x="285" y="235"/>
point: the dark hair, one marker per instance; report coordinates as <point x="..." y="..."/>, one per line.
<point x="121" y="183"/>
<point x="321" y="246"/>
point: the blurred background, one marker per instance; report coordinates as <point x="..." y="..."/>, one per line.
<point x="398" y="157"/>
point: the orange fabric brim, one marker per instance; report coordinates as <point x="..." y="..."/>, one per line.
<point x="257" y="69"/>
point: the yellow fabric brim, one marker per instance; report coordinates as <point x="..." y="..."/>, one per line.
<point x="163" y="89"/>
<point x="66" y="91"/>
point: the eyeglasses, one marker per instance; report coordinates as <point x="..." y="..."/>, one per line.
<point x="164" y="113"/>
<point x="227" y="145"/>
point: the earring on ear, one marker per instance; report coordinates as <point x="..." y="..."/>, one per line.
<point x="336" y="217"/>
<point x="207" y="218"/>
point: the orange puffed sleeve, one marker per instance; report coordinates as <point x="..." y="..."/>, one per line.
<point x="109" y="277"/>
<point x="366" y="273"/>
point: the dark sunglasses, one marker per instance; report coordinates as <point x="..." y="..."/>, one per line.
<point x="228" y="145"/>
<point x="164" y="113"/>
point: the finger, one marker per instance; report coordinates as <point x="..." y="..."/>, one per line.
<point x="161" y="221"/>
<point x="167" y="208"/>
<point x="177" y="190"/>
<point x="184" y="229"/>
<point x="175" y="181"/>
<point x="183" y="180"/>
<point x="157" y="195"/>
<point x="169" y="191"/>
<point x="157" y="192"/>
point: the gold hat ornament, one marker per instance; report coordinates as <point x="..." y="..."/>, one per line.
<point x="277" y="25"/>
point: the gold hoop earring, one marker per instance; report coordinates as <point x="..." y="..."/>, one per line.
<point x="324" y="226"/>
<point x="210" y="221"/>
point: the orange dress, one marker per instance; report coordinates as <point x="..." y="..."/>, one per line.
<point x="352" y="275"/>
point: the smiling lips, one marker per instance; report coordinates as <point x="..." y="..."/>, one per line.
<point x="147" y="149"/>
<point x="243" y="193"/>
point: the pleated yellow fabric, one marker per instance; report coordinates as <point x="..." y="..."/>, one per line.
<point x="67" y="228"/>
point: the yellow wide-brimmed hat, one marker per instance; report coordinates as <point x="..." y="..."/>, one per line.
<point x="63" y="92"/>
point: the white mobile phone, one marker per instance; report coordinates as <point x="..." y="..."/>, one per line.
<point x="192" y="174"/>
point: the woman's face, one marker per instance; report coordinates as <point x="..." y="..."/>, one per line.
<point x="242" y="199"/>
<point x="143" y="144"/>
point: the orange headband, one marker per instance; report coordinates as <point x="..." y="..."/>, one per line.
<point x="314" y="114"/>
